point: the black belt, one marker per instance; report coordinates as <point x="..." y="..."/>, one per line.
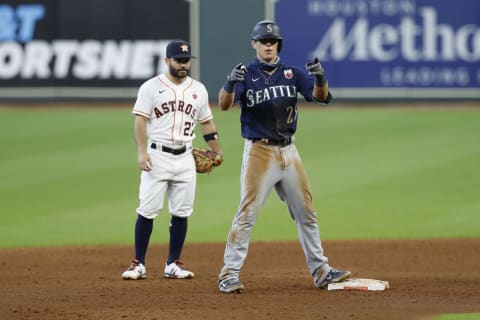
<point x="271" y="142"/>
<point x="170" y="150"/>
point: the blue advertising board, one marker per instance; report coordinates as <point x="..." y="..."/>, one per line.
<point x="387" y="48"/>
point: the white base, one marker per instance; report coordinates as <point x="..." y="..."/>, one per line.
<point x="360" y="284"/>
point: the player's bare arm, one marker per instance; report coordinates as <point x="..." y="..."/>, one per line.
<point x="225" y="99"/>
<point x="320" y="92"/>
<point x="144" y="161"/>
<point x="209" y="132"/>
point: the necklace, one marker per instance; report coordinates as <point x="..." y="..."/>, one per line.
<point x="269" y="75"/>
<point x="268" y="68"/>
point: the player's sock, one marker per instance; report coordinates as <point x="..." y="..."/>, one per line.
<point x="178" y="232"/>
<point x="143" y="230"/>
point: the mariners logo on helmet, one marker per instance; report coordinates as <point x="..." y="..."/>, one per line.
<point x="267" y="29"/>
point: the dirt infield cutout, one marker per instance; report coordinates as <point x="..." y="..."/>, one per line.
<point x="427" y="278"/>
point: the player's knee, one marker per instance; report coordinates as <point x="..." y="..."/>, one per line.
<point x="182" y="213"/>
<point x="147" y="214"/>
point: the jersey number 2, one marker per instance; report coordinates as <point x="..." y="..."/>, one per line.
<point x="292" y="114"/>
<point x="187" y="131"/>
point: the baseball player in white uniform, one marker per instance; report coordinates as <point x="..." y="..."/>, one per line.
<point x="166" y="111"/>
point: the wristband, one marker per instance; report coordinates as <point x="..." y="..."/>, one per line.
<point x="229" y="87"/>
<point x="211" y="136"/>
<point x="320" y="80"/>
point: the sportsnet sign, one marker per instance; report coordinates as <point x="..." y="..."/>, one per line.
<point x="380" y="48"/>
<point x="88" y="43"/>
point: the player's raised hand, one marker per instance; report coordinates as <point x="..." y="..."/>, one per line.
<point x="315" y="69"/>
<point x="237" y="74"/>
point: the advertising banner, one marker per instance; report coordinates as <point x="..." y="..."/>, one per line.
<point x="61" y="47"/>
<point x="387" y="48"/>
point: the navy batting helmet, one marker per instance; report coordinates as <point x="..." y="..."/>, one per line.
<point x="267" y="29"/>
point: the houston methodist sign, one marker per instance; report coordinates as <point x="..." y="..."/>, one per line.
<point x="375" y="47"/>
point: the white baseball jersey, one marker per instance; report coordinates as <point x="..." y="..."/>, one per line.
<point x="173" y="110"/>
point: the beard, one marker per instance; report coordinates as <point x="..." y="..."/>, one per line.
<point x="178" y="73"/>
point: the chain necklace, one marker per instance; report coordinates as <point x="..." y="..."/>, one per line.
<point x="269" y="69"/>
<point x="267" y="75"/>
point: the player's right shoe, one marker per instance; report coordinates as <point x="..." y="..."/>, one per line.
<point x="230" y="284"/>
<point x="136" y="271"/>
<point x="332" y="276"/>
<point x="175" y="270"/>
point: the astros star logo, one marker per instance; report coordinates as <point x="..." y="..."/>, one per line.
<point x="184" y="48"/>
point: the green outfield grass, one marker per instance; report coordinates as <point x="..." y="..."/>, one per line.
<point x="69" y="176"/>
<point x="465" y="316"/>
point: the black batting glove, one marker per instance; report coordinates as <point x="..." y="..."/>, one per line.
<point x="315" y="69"/>
<point x="236" y="75"/>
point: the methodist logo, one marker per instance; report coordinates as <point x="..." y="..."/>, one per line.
<point x="403" y="42"/>
<point x="427" y="41"/>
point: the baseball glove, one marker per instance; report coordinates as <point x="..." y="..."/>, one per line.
<point x="206" y="160"/>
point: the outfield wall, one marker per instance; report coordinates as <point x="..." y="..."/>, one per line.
<point x="371" y="49"/>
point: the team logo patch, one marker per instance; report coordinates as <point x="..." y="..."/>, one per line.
<point x="288" y="74"/>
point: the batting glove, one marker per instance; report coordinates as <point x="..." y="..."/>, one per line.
<point x="315" y="69"/>
<point x="236" y="75"/>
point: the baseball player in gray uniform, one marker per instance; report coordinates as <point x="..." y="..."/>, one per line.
<point x="267" y="91"/>
<point x="166" y="111"/>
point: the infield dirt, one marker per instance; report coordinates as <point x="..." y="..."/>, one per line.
<point x="427" y="278"/>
